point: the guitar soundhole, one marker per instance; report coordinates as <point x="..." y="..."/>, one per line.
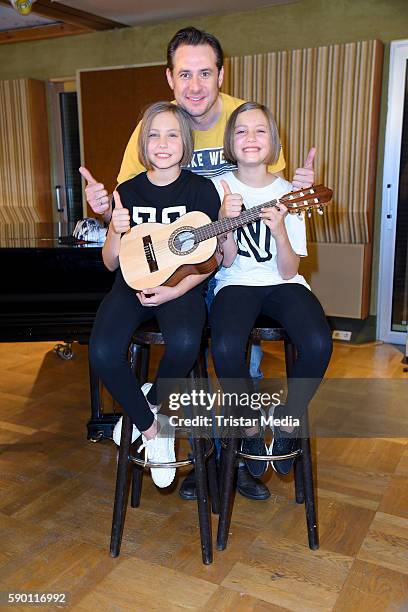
<point x="182" y="241"/>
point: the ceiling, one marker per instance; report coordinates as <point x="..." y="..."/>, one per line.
<point x="147" y="11"/>
<point x="49" y="18"/>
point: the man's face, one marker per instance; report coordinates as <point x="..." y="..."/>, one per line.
<point x="195" y="79"/>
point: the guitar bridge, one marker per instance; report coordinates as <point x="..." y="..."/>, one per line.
<point x="150" y="254"/>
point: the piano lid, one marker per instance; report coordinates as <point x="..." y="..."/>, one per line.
<point x="41" y="236"/>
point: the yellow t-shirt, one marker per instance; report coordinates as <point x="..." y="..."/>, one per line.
<point x="208" y="159"/>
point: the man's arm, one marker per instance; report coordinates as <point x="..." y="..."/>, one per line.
<point x="96" y="194"/>
<point x="304" y="177"/>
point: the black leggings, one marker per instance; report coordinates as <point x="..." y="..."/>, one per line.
<point x="181" y="322"/>
<point x="234" y="311"/>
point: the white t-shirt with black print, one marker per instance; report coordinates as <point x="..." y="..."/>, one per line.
<point x="256" y="261"/>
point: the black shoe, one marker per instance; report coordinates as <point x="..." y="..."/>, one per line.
<point x="188" y="487"/>
<point x="283" y="446"/>
<point x="250" y="487"/>
<point x="255" y="446"/>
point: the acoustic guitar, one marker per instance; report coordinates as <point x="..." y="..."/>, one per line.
<point x="153" y="254"/>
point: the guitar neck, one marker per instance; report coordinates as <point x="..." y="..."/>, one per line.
<point x="222" y="226"/>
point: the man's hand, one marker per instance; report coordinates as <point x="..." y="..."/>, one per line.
<point x="96" y="195"/>
<point x="157" y="295"/>
<point x="232" y="203"/>
<point x="120" y="217"/>
<point x="304" y="177"/>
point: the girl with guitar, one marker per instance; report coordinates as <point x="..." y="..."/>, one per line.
<point x="163" y="193"/>
<point x="264" y="279"/>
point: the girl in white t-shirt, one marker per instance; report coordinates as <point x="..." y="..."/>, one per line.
<point x="264" y="279"/>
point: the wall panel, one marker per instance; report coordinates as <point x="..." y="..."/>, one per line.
<point x="25" y="192"/>
<point x="328" y="97"/>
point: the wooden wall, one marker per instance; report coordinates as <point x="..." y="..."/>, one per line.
<point x="328" y="97"/>
<point x="111" y="103"/>
<point x="25" y="183"/>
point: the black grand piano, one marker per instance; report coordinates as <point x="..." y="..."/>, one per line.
<point x="52" y="286"/>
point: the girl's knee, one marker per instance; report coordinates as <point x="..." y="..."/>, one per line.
<point x="320" y="345"/>
<point x="226" y="350"/>
<point x="184" y="347"/>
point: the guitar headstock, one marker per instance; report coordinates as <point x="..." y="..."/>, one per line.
<point x="314" y="197"/>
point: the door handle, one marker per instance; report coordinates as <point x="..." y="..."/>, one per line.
<point x="58" y="198"/>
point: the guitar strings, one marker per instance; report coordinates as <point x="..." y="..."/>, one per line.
<point x="162" y="246"/>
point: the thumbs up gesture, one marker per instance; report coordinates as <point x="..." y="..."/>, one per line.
<point x="231" y="204"/>
<point x="120" y="217"/>
<point x="96" y="195"/>
<point x="304" y="177"/>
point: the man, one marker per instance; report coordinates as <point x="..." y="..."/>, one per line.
<point x="195" y="73"/>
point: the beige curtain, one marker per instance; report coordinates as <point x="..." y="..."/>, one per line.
<point x="25" y="194"/>
<point x="16" y="172"/>
<point x="327" y="97"/>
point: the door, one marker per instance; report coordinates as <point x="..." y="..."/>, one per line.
<point x="111" y="103"/>
<point x="392" y="305"/>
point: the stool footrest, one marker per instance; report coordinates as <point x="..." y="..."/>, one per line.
<point x="243" y="455"/>
<point x="170" y="464"/>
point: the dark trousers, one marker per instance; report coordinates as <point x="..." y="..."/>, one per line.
<point x="181" y="322"/>
<point x="233" y="314"/>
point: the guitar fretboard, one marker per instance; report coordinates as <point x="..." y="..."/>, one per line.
<point x="222" y="226"/>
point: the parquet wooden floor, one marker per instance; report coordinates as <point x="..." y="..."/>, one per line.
<point x="57" y="493"/>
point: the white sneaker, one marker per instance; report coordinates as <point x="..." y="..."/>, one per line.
<point x="117" y="430"/>
<point x="161" y="450"/>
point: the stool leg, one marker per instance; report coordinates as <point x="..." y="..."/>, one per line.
<point x="213" y="483"/>
<point x="143" y="371"/>
<point x="137" y="480"/>
<point x="201" y="365"/>
<point x="122" y="488"/>
<point x="290" y="356"/>
<point x="298" y="472"/>
<point x="227" y="492"/>
<point x="310" y="507"/>
<point x="139" y="360"/>
<point x="96" y="409"/>
<point x="248" y="351"/>
<point x="203" y="501"/>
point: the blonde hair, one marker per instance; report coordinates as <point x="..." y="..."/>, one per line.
<point x="229" y="152"/>
<point x="185" y="131"/>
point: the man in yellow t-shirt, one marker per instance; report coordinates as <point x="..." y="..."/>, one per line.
<point x="195" y="73"/>
<point x="208" y="157"/>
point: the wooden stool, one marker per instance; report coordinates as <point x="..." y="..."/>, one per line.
<point x="268" y="330"/>
<point x="203" y="456"/>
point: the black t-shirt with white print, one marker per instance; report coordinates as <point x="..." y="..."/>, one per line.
<point x="149" y="203"/>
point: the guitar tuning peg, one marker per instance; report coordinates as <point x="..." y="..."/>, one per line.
<point x="320" y="210"/>
<point x="309" y="212"/>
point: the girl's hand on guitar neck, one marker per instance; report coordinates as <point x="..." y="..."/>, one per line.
<point x="120" y="222"/>
<point x="157" y="295"/>
<point x="274" y="218"/>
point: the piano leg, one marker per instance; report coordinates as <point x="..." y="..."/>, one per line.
<point x="100" y="425"/>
